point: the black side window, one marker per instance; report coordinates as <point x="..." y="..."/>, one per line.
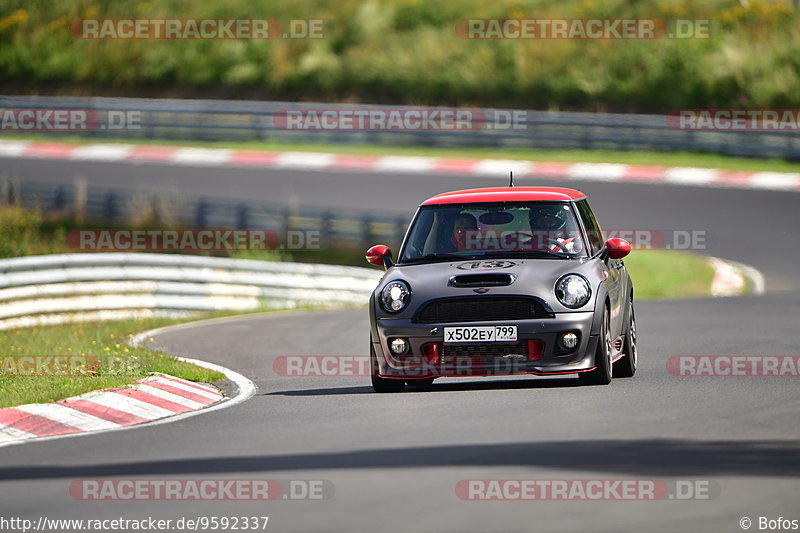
<point x="593" y="230"/>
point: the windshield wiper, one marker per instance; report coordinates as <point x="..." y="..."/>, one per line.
<point x="531" y="253"/>
<point x="437" y="257"/>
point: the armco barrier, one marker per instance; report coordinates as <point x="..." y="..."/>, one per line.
<point x="229" y="120"/>
<point x="54" y="289"/>
<point x="330" y="227"/>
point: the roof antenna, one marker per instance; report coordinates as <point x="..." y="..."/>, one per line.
<point x="510" y="178"/>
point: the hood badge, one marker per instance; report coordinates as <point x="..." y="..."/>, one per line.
<point x="482" y="290"/>
<point x="486" y="265"/>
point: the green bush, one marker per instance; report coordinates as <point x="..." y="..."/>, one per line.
<point x="407" y="51"/>
<point x="21" y="233"/>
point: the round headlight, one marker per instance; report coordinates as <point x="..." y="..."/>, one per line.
<point x="394" y="296"/>
<point x="573" y="291"/>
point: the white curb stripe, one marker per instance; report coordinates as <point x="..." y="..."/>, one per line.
<point x="775" y="180"/>
<point x="188" y="388"/>
<point x="392" y="163"/>
<point x="501" y="167"/>
<point x="164" y="395"/>
<point x="10" y="434"/>
<point x="13" y="148"/>
<point x="757" y="282"/>
<point x="597" y="171"/>
<point x="126" y="404"/>
<point x="303" y="160"/>
<point x="201" y="156"/>
<point x="728" y="280"/>
<point x="101" y="152"/>
<point x="690" y="176"/>
<point x="67" y="416"/>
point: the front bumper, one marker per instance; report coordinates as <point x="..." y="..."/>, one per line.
<point x="422" y="361"/>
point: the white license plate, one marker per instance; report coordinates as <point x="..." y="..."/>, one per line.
<point x="480" y="334"/>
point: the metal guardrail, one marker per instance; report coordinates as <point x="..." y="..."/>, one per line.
<point x="219" y="120"/>
<point x="107" y="206"/>
<point x="55" y="289"/>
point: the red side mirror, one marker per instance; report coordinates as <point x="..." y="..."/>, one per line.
<point x="379" y="254"/>
<point x="618" y="248"/>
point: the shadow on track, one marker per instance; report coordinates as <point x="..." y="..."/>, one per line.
<point x="538" y="383"/>
<point x="646" y="457"/>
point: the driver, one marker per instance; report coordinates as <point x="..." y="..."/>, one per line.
<point x="451" y="233"/>
<point x="548" y="227"/>
<point x="464" y="227"/>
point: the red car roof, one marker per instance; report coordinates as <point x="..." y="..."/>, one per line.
<point x="506" y="194"/>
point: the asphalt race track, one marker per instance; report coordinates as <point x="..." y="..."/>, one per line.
<point x="395" y="460"/>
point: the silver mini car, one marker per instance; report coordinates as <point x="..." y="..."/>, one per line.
<point x="502" y="281"/>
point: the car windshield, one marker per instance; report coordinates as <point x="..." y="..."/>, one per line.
<point x="475" y="231"/>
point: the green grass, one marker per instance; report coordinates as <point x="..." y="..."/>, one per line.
<point x="664" y="274"/>
<point x="407" y="51"/>
<point x="115" y="363"/>
<point x="681" y="159"/>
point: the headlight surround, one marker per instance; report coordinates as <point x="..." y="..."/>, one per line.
<point x="395" y="296"/>
<point x="573" y="291"/>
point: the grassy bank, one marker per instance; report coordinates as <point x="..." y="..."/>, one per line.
<point x="661" y="274"/>
<point x="111" y="362"/>
<point x="407" y="51"/>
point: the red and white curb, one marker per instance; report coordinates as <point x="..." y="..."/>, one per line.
<point x="729" y="278"/>
<point x="157" y="399"/>
<point x="484" y="168"/>
<point x="152" y="398"/>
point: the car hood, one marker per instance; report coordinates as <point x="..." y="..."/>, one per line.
<point x="531" y="277"/>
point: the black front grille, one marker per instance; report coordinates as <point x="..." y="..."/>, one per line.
<point x="488" y="350"/>
<point x="487" y="308"/>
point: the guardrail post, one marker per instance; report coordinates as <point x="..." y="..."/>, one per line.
<point x="59" y="198"/>
<point x="155" y="209"/>
<point x="401" y="229"/>
<point x="287" y="221"/>
<point x="200" y="214"/>
<point x="7" y="195"/>
<point x="79" y="203"/>
<point x="326" y="229"/>
<point x="368" y="236"/>
<point x="110" y="209"/>
<point x="242" y="216"/>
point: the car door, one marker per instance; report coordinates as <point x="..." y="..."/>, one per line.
<point x="616" y="278"/>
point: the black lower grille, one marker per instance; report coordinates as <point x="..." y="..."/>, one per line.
<point x="489" y="350"/>
<point x="486" y="308"/>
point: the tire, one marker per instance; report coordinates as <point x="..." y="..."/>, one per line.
<point x="626" y="366"/>
<point x="601" y="375"/>
<point x="380" y="384"/>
